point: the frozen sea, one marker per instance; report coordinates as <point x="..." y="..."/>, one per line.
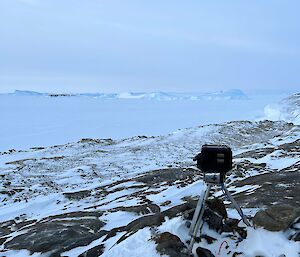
<point x="31" y="121"/>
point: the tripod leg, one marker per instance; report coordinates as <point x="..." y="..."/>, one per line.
<point x="197" y="221"/>
<point x="236" y="206"/>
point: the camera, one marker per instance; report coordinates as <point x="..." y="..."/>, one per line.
<point x="214" y="159"/>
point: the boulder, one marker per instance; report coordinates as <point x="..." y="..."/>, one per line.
<point x="213" y="219"/>
<point x="202" y="252"/>
<point x="217" y="206"/>
<point x="276" y="217"/>
<point x="171" y="245"/>
<point x="93" y="252"/>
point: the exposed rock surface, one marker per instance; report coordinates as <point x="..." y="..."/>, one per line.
<point x="133" y="198"/>
<point x="202" y="252"/>
<point x="170" y="245"/>
<point x="277" y="217"/>
<point x="93" y="252"/>
<point x="58" y="234"/>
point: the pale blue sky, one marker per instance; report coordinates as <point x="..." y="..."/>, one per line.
<point x="150" y="45"/>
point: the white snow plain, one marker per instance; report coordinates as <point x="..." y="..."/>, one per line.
<point x="32" y="119"/>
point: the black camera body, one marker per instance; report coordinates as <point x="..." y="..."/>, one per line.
<point x="214" y="159"/>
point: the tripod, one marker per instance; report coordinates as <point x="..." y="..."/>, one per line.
<point x="197" y="221"/>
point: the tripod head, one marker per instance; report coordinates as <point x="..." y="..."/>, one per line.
<point x="214" y="161"/>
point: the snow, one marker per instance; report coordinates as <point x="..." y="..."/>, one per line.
<point x="32" y="120"/>
<point x="161" y="96"/>
<point x="288" y="109"/>
<point x="23" y="253"/>
<point x="118" y="219"/>
<point x="261" y="242"/>
<point x="139" y="244"/>
<point x="276" y="161"/>
<point x="175" y="194"/>
<point x="40" y="207"/>
<point x="272" y="112"/>
<point x="89" y="165"/>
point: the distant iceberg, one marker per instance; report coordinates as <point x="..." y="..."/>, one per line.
<point x="233" y="94"/>
<point x="27" y="93"/>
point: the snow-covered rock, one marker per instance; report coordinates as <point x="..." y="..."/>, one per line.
<point x="137" y="188"/>
<point x="118" y="197"/>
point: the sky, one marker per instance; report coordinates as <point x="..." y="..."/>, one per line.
<point x="143" y="45"/>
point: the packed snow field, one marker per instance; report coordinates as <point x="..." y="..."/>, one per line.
<point x="134" y="196"/>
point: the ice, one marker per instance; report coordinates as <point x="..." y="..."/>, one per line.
<point x="288" y="109"/>
<point x="33" y="120"/>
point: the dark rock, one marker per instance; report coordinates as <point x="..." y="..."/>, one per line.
<point x="269" y="190"/>
<point x="213" y="219"/>
<point x="6" y="227"/>
<point x="140" y="209"/>
<point x="209" y="239"/>
<point x="230" y="225"/>
<point x="242" y="232"/>
<point x="294" y="230"/>
<point x="231" y="222"/>
<point x="296" y="237"/>
<point x="277" y="217"/>
<point x="77" y="195"/>
<point x="146" y="221"/>
<point x="58" y="234"/>
<point x="217" y="206"/>
<point x="3" y="239"/>
<point x="236" y="254"/>
<point x="176" y="210"/>
<point x="93" y="252"/>
<point x="167" y="175"/>
<point x="166" y="203"/>
<point x="202" y="252"/>
<point x="72" y="215"/>
<point x="171" y="245"/>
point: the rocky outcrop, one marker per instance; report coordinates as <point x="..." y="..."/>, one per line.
<point x="277" y="217"/>
<point x="140" y="209"/>
<point x="202" y="252"/>
<point x="58" y="234"/>
<point x="171" y="245"/>
<point x="93" y="252"/>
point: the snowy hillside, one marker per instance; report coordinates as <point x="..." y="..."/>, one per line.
<point x="134" y="196"/>
<point x="101" y="179"/>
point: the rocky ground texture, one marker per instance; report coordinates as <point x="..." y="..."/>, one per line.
<point x="104" y="197"/>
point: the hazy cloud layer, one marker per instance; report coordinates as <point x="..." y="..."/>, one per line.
<point x="72" y="45"/>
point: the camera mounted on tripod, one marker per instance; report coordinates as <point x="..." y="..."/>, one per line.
<point x="214" y="161"/>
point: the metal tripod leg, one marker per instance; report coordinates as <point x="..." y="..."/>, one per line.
<point x="236" y="206"/>
<point x="197" y="220"/>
